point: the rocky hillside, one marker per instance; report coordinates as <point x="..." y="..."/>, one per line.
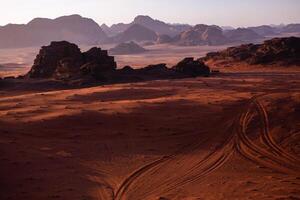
<point x="285" y="51"/>
<point x="41" y="31"/>
<point x="127" y="48"/>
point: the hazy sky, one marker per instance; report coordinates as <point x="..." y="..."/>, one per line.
<point x="220" y="12"/>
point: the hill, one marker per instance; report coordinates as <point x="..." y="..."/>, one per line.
<point x="41" y="31"/>
<point x="159" y="27"/>
<point x="137" y="33"/>
<point x="242" y="35"/>
<point x="283" y="51"/>
<point x="201" y="34"/>
<point x="127" y="48"/>
<point x="263" y="30"/>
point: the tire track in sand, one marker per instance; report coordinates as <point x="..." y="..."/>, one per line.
<point x="277" y="159"/>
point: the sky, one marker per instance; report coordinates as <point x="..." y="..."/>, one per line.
<point x="236" y="13"/>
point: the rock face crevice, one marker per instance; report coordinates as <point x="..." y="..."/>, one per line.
<point x="64" y="61"/>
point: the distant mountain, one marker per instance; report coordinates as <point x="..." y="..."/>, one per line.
<point x="136" y="33"/>
<point x="291" y="28"/>
<point x="264" y="30"/>
<point x="41" y="31"/>
<point x="164" y="39"/>
<point x="242" y="35"/>
<point x="227" y="28"/>
<point x="160" y="27"/>
<point x="201" y="34"/>
<point x="116" y="29"/>
<point x="127" y="48"/>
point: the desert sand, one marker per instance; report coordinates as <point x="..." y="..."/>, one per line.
<point x="231" y="136"/>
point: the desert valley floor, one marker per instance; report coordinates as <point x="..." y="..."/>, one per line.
<point x="230" y="136"/>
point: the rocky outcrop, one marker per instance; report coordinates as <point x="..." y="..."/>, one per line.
<point x="191" y="67"/>
<point x="201" y="35"/>
<point x="64" y="60"/>
<point x="127" y="48"/>
<point x="284" y="51"/>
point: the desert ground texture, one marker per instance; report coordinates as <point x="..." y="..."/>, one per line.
<point x="234" y="135"/>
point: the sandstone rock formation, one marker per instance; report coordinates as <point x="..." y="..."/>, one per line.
<point x="65" y="60"/>
<point x="284" y="51"/>
<point x="127" y="48"/>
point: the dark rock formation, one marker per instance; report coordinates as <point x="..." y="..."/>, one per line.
<point x="191" y="67"/>
<point x="137" y="33"/>
<point x="127" y="48"/>
<point x="285" y="51"/>
<point x="201" y="35"/>
<point x="65" y="60"/>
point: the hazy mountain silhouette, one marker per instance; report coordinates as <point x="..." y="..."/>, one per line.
<point x="160" y="27"/>
<point x="80" y="30"/>
<point x="242" y="35"/>
<point x="127" y="48"/>
<point x="263" y="30"/>
<point x="291" y="28"/>
<point x="41" y="31"/>
<point x="137" y="33"/>
<point x="201" y="34"/>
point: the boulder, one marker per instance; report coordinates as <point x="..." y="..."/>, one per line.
<point x="192" y="68"/>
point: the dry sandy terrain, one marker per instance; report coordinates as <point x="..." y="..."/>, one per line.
<point x="232" y="136"/>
